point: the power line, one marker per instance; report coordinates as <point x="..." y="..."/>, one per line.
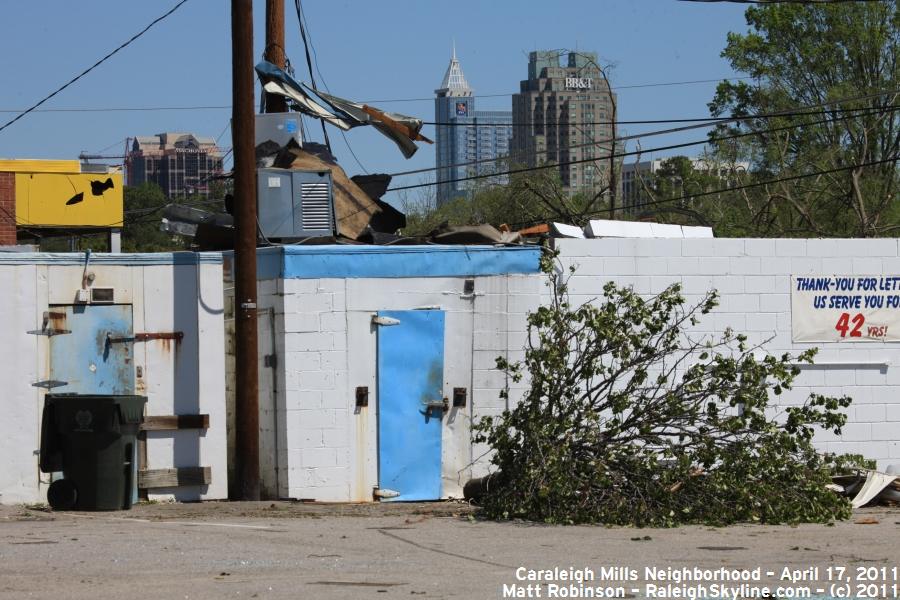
<point x="733" y="188"/>
<point x="312" y="78"/>
<point x="94" y="66"/>
<point x="645" y="121"/>
<point x="118" y="109"/>
<point x="771" y="181"/>
<point x="785" y="1"/>
<point x="302" y="17"/>
<point x="622" y="154"/>
<point x="620" y="87"/>
<point x="703" y="125"/>
<point x="228" y="106"/>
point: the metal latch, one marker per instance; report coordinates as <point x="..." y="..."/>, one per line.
<point x="143" y="337"/>
<point x="443" y="405"/>
<point x="387" y="321"/>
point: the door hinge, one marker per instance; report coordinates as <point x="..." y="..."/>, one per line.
<point x="270" y="361"/>
<point x="386" y="321"/>
<point x="384" y="493"/>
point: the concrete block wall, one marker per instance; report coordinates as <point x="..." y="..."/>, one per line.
<point x="500" y="326"/>
<point x="315" y="408"/>
<point x="330" y="449"/>
<point x="753" y="278"/>
<point x="7" y="209"/>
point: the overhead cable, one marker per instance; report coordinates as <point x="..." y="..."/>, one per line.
<point x="618" y="155"/>
<point x="94" y="66"/>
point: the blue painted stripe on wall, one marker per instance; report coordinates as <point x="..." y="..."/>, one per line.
<point x="313" y="262"/>
<point x="77" y="258"/>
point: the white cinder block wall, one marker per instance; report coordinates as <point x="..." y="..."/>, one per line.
<point x="753" y="277"/>
<point x="316" y="306"/>
<point x="330" y="446"/>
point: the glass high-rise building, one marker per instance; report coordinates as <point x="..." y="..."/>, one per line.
<point x="467" y="141"/>
<point x="564" y="114"/>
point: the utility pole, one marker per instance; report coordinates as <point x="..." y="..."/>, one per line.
<point x="246" y="370"/>
<point x="274" y="52"/>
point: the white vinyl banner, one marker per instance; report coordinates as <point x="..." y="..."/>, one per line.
<point x="841" y="308"/>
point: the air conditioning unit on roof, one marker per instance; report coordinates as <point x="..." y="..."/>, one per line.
<point x="294" y="204"/>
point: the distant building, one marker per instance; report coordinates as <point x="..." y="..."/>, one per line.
<point x="563" y="115"/>
<point x="634" y="192"/>
<point x="465" y="135"/>
<point x="179" y="163"/>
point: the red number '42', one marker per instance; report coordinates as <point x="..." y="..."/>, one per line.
<point x="844" y="322"/>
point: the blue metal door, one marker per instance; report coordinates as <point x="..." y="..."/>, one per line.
<point x="96" y="355"/>
<point x="410" y="411"/>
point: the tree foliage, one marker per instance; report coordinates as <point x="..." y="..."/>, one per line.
<point x="629" y="420"/>
<point x="528" y="199"/>
<point x="143" y="207"/>
<point x="680" y="177"/>
<point x="802" y="55"/>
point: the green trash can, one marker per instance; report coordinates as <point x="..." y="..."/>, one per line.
<point x="92" y="440"/>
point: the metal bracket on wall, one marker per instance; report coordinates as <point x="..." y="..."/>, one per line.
<point x="362" y="396"/>
<point x="48" y="332"/>
<point x="49" y="384"/>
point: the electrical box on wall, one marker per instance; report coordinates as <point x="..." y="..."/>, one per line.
<point x="95" y="295"/>
<point x="295" y="204"/>
<point x="103" y="295"/>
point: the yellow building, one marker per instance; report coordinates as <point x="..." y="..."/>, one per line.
<point x="42" y="198"/>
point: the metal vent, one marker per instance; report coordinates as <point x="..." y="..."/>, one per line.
<point x="316" y="205"/>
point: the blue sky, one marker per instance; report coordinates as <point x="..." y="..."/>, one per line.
<point x="381" y="52"/>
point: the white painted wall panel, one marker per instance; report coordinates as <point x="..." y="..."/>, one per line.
<point x="174" y="376"/>
<point x="20" y="403"/>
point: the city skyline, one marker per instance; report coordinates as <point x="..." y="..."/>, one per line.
<point x="659" y="42"/>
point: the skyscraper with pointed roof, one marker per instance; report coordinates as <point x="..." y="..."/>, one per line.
<point x="466" y="140"/>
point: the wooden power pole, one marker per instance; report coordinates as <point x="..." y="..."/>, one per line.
<point x="243" y="142"/>
<point x="274" y="52"/>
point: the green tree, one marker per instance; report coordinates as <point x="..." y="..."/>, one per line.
<point x="683" y="178"/>
<point x="143" y="214"/>
<point x="802" y="55"/>
<point x="628" y="419"/>
<point x="527" y="199"/>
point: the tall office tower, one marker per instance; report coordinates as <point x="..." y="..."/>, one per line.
<point x="564" y="115"/>
<point x="467" y="141"/>
<point x="179" y="163"/>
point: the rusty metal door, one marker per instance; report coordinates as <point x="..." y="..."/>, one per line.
<point x="85" y="360"/>
<point x="410" y="403"/>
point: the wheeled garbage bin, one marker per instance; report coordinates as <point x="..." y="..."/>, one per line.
<point x="91" y="439"/>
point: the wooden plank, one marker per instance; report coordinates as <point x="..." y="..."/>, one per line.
<point x="142" y="459"/>
<point x="163" y="478"/>
<point x="170" y="422"/>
